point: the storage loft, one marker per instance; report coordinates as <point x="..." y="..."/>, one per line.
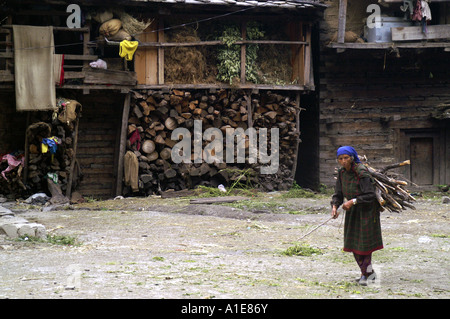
<point x="284" y="39"/>
<point x="392" y="24"/>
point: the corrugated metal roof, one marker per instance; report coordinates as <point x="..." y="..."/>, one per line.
<point x="293" y="4"/>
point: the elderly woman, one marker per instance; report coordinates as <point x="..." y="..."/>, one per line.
<point x="362" y="229"/>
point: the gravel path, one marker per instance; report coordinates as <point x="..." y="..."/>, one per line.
<point x="155" y="248"/>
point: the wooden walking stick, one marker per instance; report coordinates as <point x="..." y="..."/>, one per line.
<point x="316" y="228"/>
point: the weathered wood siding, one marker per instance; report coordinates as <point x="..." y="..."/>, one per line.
<point x="377" y="102"/>
<point x="98" y="138"/>
<point x="12" y="124"/>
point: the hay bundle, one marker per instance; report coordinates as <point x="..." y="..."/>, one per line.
<point x="130" y="24"/>
<point x="274" y="65"/>
<point x="185" y="64"/>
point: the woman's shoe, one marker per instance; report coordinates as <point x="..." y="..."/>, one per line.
<point x="363" y="281"/>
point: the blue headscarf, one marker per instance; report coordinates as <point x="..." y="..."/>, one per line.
<point x="348" y="150"/>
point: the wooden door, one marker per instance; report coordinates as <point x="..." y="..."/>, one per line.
<point x="98" y="135"/>
<point x="421" y="149"/>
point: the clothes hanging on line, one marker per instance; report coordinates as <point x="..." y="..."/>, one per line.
<point x="58" y="69"/>
<point x="127" y="49"/>
<point x="33" y="68"/>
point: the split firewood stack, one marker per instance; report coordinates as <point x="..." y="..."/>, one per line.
<point x="154" y="115"/>
<point x="51" y="143"/>
<point x="390" y="190"/>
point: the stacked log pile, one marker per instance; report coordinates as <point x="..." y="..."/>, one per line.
<point x="44" y="167"/>
<point x="155" y="114"/>
<point x="390" y="190"/>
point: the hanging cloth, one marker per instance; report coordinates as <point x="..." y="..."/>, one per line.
<point x="131" y="171"/>
<point x="127" y="49"/>
<point x="426" y="11"/>
<point x="417" y="15"/>
<point x="33" y="68"/>
<point x="58" y="69"/>
<point x="13" y="162"/>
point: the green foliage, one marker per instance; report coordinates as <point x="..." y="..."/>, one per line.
<point x="301" y="250"/>
<point x="51" y="239"/>
<point x="229" y="56"/>
<point x="297" y="191"/>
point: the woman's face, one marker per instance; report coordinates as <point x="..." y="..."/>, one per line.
<point x="345" y="161"/>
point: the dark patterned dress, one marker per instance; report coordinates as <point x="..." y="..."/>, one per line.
<point x="362" y="229"/>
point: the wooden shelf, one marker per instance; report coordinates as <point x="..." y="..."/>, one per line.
<point x="390" y="45"/>
<point x="226" y="86"/>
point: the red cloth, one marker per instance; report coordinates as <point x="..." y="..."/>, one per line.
<point x="136" y="138"/>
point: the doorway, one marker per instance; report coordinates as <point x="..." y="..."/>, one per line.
<point x="421" y="155"/>
<point x="423" y="149"/>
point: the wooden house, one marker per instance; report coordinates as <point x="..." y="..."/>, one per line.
<point x="385" y="90"/>
<point x="227" y="63"/>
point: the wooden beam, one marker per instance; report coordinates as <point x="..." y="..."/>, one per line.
<point x="441" y="31"/>
<point x="154" y="44"/>
<point x="101" y="76"/>
<point x="243" y="51"/>
<point x="401" y="1"/>
<point x="308" y="57"/>
<point x="80" y="57"/>
<point x="161" y="52"/>
<point x="122" y="144"/>
<point x="222" y="86"/>
<point x="74" y="159"/>
<point x="390" y="45"/>
<point x="342" y="21"/>
<point x="8" y="26"/>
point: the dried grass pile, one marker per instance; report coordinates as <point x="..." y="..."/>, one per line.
<point x="274" y="64"/>
<point x="185" y="64"/>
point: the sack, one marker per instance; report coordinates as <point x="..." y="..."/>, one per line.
<point x="120" y="36"/>
<point x="69" y="112"/>
<point x="110" y="27"/>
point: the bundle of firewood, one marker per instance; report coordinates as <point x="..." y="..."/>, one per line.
<point x="56" y="163"/>
<point x="390" y="190"/>
<point x="155" y="114"/>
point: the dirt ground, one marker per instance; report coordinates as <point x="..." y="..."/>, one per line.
<point x="168" y="248"/>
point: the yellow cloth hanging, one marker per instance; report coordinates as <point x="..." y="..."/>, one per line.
<point x="127" y="49"/>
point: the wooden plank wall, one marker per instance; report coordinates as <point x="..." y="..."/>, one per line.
<point x="371" y="101"/>
<point x="98" y="138"/>
<point x="12" y="124"/>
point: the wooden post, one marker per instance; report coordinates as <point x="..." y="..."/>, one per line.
<point x="342" y="21"/>
<point x="27" y="151"/>
<point x="243" y="51"/>
<point x="308" y="56"/>
<point x="86" y="39"/>
<point x="74" y="159"/>
<point x="161" y="52"/>
<point x="248" y="100"/>
<point x="297" y="132"/>
<point x="123" y="143"/>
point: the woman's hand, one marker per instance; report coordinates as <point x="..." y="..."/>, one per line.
<point x="334" y="212"/>
<point x="347" y="205"/>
